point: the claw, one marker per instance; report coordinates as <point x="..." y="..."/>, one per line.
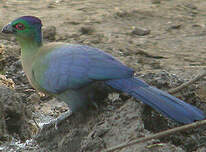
<point x="62" y="117"/>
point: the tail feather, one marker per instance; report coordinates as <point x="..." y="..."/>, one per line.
<point x="163" y="102"/>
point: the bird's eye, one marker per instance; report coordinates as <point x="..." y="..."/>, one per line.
<point x="20" y="26"/>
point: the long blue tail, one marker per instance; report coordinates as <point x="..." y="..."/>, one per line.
<point x="163" y="102"/>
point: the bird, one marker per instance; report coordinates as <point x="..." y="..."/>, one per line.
<point x="67" y="72"/>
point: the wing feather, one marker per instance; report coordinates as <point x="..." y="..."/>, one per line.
<point x="75" y="66"/>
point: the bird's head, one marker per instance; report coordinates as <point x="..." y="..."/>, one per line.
<point x="25" y="28"/>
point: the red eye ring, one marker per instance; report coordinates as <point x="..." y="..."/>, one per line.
<point x="20" y="26"/>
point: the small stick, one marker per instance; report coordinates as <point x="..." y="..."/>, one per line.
<point x="157" y="135"/>
<point x="184" y="85"/>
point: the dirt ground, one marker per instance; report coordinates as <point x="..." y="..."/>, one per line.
<point x="162" y="40"/>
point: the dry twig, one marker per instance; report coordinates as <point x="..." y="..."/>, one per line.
<point x="186" y="84"/>
<point x="157" y="135"/>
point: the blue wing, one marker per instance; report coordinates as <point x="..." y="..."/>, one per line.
<point x="75" y="66"/>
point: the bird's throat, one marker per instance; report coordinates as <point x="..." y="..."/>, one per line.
<point x="29" y="47"/>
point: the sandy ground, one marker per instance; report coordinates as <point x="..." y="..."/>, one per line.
<point x="162" y="40"/>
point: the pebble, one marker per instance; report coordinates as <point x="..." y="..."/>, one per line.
<point x="174" y="27"/>
<point x="140" y="31"/>
<point x="87" y="30"/>
<point x="49" y="33"/>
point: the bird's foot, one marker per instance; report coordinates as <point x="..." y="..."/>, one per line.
<point x="55" y="122"/>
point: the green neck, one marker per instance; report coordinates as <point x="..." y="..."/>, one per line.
<point x="29" y="48"/>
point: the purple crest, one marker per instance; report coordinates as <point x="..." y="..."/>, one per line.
<point x="31" y="19"/>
